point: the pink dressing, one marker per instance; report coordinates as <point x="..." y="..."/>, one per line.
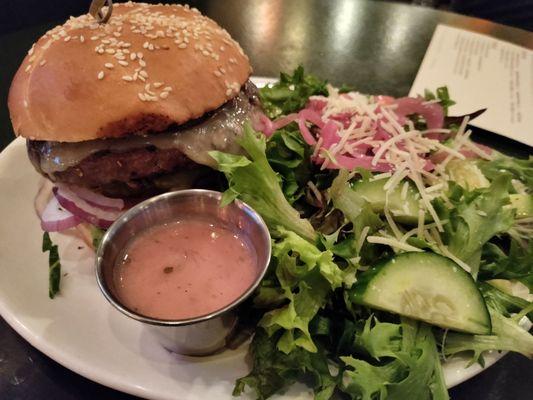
<point x="184" y="269"/>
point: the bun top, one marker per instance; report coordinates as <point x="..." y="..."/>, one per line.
<point x="148" y="68"/>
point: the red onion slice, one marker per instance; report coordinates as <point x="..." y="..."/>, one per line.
<point x="83" y="210"/>
<point x="432" y="112"/>
<point x="306" y="134"/>
<point x="56" y="218"/>
<point x="96" y="199"/>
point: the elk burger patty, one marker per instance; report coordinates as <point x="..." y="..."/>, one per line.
<point x="145" y="164"/>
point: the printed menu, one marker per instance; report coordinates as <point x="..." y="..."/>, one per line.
<point x="482" y="72"/>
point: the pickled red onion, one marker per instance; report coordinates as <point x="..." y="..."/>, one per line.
<point x="83" y="210"/>
<point x="55" y="218"/>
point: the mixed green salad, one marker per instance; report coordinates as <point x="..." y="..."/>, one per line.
<point x="397" y="242"/>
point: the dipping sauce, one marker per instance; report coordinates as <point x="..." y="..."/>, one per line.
<point x="184" y="269"/>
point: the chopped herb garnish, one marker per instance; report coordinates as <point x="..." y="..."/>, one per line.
<point x="97" y="235"/>
<point x="54" y="266"/>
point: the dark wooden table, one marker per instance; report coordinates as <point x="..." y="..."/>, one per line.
<point x="375" y="46"/>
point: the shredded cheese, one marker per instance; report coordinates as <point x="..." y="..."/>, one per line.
<point x="394" y="243"/>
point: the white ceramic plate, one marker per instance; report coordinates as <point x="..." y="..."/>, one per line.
<point x="81" y="331"/>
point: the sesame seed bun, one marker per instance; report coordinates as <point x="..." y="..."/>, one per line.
<point x="150" y="67"/>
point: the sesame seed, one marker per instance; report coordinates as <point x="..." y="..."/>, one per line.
<point x="140" y="54"/>
<point x="105" y="41"/>
<point x="182" y="45"/>
<point x="108" y="65"/>
<point x="164" y="95"/>
<point x="222" y="48"/>
<point x="100" y="51"/>
<point x="228" y="92"/>
<point x="42" y="63"/>
<point x="150" y="47"/>
<point x="147" y="89"/>
<point x="127" y="78"/>
<point x="142" y="63"/>
<point x="116" y="34"/>
<point x="133" y="56"/>
<point x="25" y="104"/>
<point x="31" y="59"/>
<point x="142" y="78"/>
<point x="67" y="39"/>
<point x="144" y="74"/>
<point x="205" y="52"/>
<point x="82" y="38"/>
<point x="94" y="37"/>
<point x="145" y="45"/>
<point x="27" y="68"/>
<point x="217" y="73"/>
<point x="158" y="84"/>
<point x="101" y="75"/>
<point x="123" y="63"/>
<point x="141" y="96"/>
<point x="167" y="89"/>
<point x="30" y="51"/>
<point x="110" y="51"/>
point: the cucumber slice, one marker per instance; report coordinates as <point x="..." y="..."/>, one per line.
<point x="403" y="209"/>
<point x="428" y="287"/>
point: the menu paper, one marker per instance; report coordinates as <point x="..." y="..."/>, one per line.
<point x="482" y="72"/>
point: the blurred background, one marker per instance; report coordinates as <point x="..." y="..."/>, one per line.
<point x="17" y="14"/>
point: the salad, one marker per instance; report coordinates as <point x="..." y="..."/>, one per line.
<point x="397" y="242"/>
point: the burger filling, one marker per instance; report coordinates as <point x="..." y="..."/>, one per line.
<point x="144" y="164"/>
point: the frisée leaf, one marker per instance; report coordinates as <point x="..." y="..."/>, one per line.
<point x="254" y="181"/>
<point x="478" y="216"/>
<point x="412" y="371"/>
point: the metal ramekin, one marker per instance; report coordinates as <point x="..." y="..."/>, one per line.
<point x="204" y="334"/>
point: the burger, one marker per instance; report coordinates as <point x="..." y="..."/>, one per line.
<point x="131" y="107"/>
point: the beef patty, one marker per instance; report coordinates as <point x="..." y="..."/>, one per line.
<point x="140" y="165"/>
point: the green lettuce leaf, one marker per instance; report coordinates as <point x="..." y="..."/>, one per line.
<point x="357" y="211"/>
<point x="506" y="312"/>
<point x="412" y="369"/>
<point x="507" y="335"/>
<point x="291" y="93"/>
<point x="253" y="181"/>
<point x="442" y="95"/>
<point x="288" y="155"/>
<point x="307" y="276"/>
<point x="521" y="169"/>
<point x="477" y="217"/>
<point x="515" y="263"/>
<point x="273" y="370"/>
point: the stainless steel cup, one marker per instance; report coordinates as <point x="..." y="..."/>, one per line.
<point x="200" y="335"/>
